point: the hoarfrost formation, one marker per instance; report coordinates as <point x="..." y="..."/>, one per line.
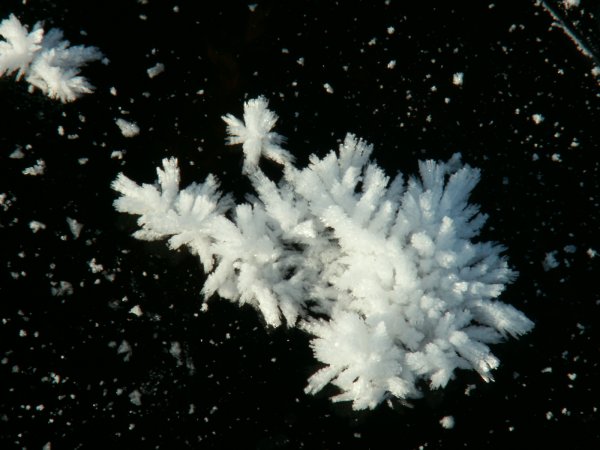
<point x="47" y="62"/>
<point x="401" y="290"/>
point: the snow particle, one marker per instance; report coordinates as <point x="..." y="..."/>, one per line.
<point x="550" y="261"/>
<point x="94" y="266"/>
<point x="61" y="289"/>
<point x="117" y="154"/>
<point x="568" y="4"/>
<point x="17" y="154"/>
<point x="37" y="169"/>
<point x="447" y="422"/>
<point x="135" y="397"/>
<point x="136" y="311"/>
<point x="155" y="70"/>
<point x="36" y="226"/>
<point x="457" y="78"/>
<point x="128" y="129"/>
<point x="537" y="118"/>
<point x="125" y="350"/>
<point x="75" y="227"/>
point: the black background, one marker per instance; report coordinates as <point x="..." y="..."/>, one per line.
<point x="237" y="384"/>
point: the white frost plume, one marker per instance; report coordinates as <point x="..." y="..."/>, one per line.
<point x="387" y="276"/>
<point x="164" y="210"/>
<point x="46" y="60"/>
<point x="255" y="134"/>
<point x="20" y="46"/>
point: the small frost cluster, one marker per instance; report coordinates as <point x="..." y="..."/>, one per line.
<point x="45" y="60"/>
<point x="385" y="275"/>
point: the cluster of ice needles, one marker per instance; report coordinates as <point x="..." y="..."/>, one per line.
<point x="387" y="275"/>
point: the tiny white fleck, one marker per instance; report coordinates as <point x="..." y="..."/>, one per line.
<point x="155" y="70"/>
<point x="537" y="118"/>
<point x="135" y="397"/>
<point x="128" y="129"/>
<point x="458" y="78"/>
<point x="136" y="311"/>
<point x="37" y="169"/>
<point x="447" y="422"/>
<point x="36" y="226"/>
<point x="75" y="227"/>
<point x="116" y="154"/>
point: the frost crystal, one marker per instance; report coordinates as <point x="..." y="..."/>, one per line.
<point x="386" y="275"/>
<point x="45" y="60"/>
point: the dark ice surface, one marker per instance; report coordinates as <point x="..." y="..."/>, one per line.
<point x="103" y="343"/>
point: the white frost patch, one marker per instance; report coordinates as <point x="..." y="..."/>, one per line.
<point x="37" y="169"/>
<point x="155" y="70"/>
<point x="128" y="129"/>
<point x="36" y="226"/>
<point x="447" y="422"/>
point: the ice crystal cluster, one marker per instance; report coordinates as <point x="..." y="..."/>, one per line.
<point x="387" y="276"/>
<point x="45" y="60"/>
